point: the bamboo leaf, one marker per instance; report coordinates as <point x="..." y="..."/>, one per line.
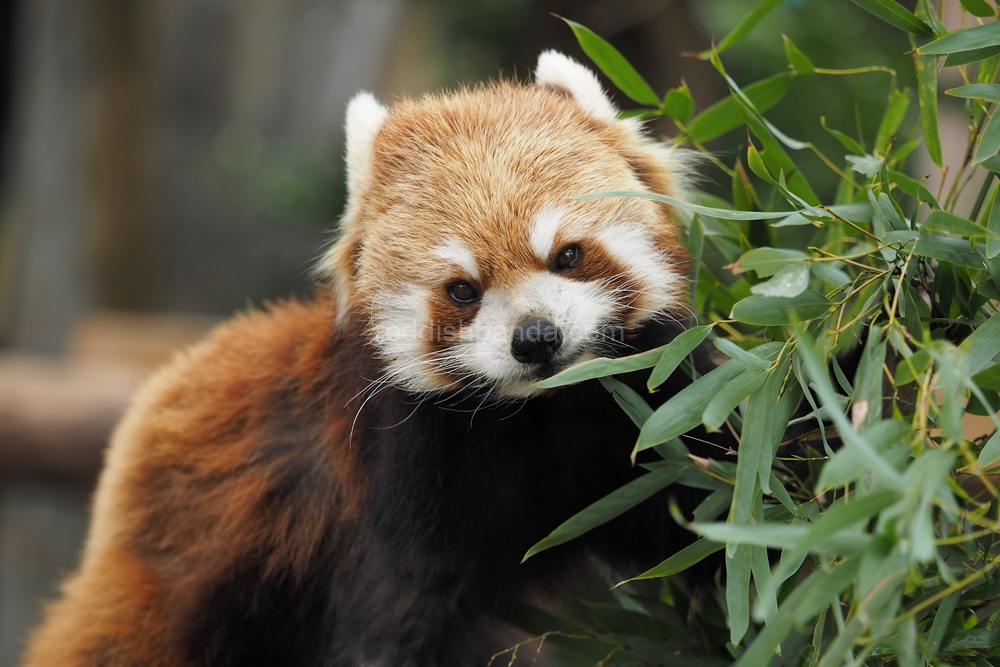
<point x="614" y="65"/>
<point x="768" y="311"/>
<point x="796" y="59"/>
<point x="683" y="411"/>
<point x="738" y="594"/>
<point x="986" y="36"/>
<point x="729" y="396"/>
<point x="631" y="402"/>
<point x="724" y="214"/>
<point x="788" y="282"/>
<point x="608" y="507"/>
<point x="982" y="345"/>
<point x="989" y="141"/>
<point x="747" y="359"/>
<point x="927" y="94"/>
<point x="601" y="367"/>
<point x="675" y="352"/>
<point x="971" y="56"/>
<point x="979" y="8"/>
<point x="723" y="116"/>
<point x="940" y="248"/>
<point x="895" y="14"/>
<point x="767" y="261"/>
<point x="678" y="103"/>
<point x="895" y="111"/>
<point x="989" y="92"/>
<point x="942" y="221"/>
<point x="993" y="225"/>
<point x="749" y="21"/>
<point x="682" y="560"/>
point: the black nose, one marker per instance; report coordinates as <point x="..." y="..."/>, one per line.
<point x="535" y="341"/>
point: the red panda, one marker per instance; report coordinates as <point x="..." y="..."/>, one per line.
<point x="354" y="480"/>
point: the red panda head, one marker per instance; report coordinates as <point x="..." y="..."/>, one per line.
<point x="464" y="251"/>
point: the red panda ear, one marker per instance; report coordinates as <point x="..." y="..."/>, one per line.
<point x="365" y="117"/>
<point x="555" y="70"/>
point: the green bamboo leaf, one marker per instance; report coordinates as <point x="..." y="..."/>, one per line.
<point x="675" y="352"/>
<point x="991" y="451"/>
<point x="602" y="367"/>
<point x="768" y="311"/>
<point x="614" y="65"/>
<point x="683" y="411"/>
<point x="723" y="116"/>
<point x="977" y="91"/>
<point x="796" y="59"/>
<point x="866" y="165"/>
<point x="763" y="426"/>
<point x="989" y="141"/>
<point x="982" y="345"/>
<point x="895" y="14"/>
<point x="682" y="560"/>
<point x="843" y="468"/>
<point x="722" y="213"/>
<point x="788" y="282"/>
<point x="942" y="221"/>
<point x="988" y="70"/>
<point x="860" y="213"/>
<point x="766" y="534"/>
<point x="615" y="503"/>
<point x="738" y="592"/>
<point x="912" y="187"/>
<point x="895" y="111"/>
<point x="863" y="450"/>
<point x="631" y="402"/>
<point x="717" y="502"/>
<point x="979" y="8"/>
<point x="941" y="620"/>
<point x="747" y="359"/>
<point x="767" y="261"/>
<point x="941" y="248"/>
<point x="927" y="94"/>
<point x="993" y="225"/>
<point x="974" y="55"/>
<point x="805" y="601"/>
<point x="917" y="363"/>
<point x="847" y="142"/>
<point x="988" y="378"/>
<point x="678" y="103"/>
<point x="749" y="21"/>
<point x="729" y="396"/>
<point x="962" y="639"/>
<point x="986" y="36"/>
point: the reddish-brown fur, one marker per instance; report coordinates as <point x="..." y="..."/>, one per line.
<point x="254" y="510"/>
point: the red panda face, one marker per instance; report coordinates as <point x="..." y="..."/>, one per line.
<point x="466" y="252"/>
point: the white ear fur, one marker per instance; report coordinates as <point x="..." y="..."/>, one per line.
<point x="555" y="70"/>
<point x="364" y="119"/>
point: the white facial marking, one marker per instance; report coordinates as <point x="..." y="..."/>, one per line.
<point x="400" y="323"/>
<point x="544" y="230"/>
<point x="579" y="310"/>
<point x="655" y="285"/>
<point x="456" y="253"/>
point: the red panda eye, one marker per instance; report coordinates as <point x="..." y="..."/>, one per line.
<point x="568" y="257"/>
<point x="462" y="293"/>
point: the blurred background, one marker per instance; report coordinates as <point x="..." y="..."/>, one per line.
<point x="164" y="163"/>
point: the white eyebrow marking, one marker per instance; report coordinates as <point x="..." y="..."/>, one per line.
<point x="458" y="254"/>
<point x="544" y="230"/>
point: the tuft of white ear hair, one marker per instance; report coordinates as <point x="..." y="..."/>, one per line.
<point x="364" y="119"/>
<point x="555" y="70"/>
